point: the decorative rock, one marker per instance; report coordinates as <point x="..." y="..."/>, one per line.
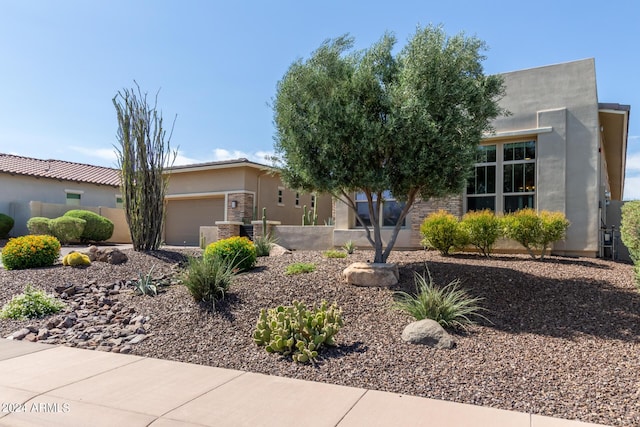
<point x="20" y="334"/>
<point x="371" y="274"/>
<point x="427" y="332"/>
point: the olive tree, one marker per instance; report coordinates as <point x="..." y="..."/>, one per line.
<point x="143" y="154"/>
<point x="372" y="121"/>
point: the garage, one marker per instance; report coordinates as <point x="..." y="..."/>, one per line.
<point x="185" y="216"/>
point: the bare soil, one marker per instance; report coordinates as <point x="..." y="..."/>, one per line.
<point x="562" y="337"/>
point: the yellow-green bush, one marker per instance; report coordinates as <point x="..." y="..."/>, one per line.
<point x="76" y="259"/>
<point x="441" y="230"/>
<point x="483" y="228"/>
<point x="535" y="231"/>
<point x="240" y="252"/>
<point x="97" y="228"/>
<point x="67" y="229"/>
<point x="30" y="252"/>
<point x="38" y="225"/>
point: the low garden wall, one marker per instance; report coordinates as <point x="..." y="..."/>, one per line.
<point x="312" y="237"/>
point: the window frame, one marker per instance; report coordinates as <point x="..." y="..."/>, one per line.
<point x="280" y="198"/>
<point x="78" y="193"/>
<point x="386" y="198"/>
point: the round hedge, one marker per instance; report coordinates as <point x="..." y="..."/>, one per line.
<point x="6" y="224"/>
<point x="97" y="229"/>
<point x="239" y="251"/>
<point x="38" y="225"/>
<point x="30" y="252"/>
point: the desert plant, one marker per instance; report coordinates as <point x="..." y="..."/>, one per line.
<point x="30" y="304"/>
<point x="67" y="228"/>
<point x="482" y="229"/>
<point x="300" y="267"/>
<point x="441" y="230"/>
<point x="145" y="285"/>
<point x="76" y="259"/>
<point x="264" y="244"/>
<point x="6" y="224"/>
<point x="535" y="231"/>
<point x="208" y="279"/>
<point x="630" y="234"/>
<point x="297" y="331"/>
<point x="450" y="305"/>
<point x="97" y="228"/>
<point x="38" y="225"/>
<point x="334" y="254"/>
<point x="553" y="228"/>
<point x="240" y="252"/>
<point x="349" y="247"/>
<point x="30" y="252"/>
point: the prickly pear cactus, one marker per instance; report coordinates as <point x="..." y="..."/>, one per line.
<point x="297" y="331"/>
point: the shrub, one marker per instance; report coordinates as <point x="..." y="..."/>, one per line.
<point x="482" y="229"/>
<point x="535" y="231"/>
<point x="30" y="252"/>
<point x="441" y="230"/>
<point x="300" y="267"/>
<point x="76" y="259"/>
<point x="630" y="234"/>
<point x="208" y="279"/>
<point x="264" y="244"/>
<point x="334" y="254"/>
<point x="349" y="247"/>
<point x="297" y="330"/>
<point x="450" y="306"/>
<point x="239" y="252"/>
<point x="6" y="224"/>
<point x="67" y="228"/>
<point x="97" y="229"/>
<point x="30" y="304"/>
<point x="38" y="225"/>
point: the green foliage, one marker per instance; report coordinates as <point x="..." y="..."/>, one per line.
<point x="38" y="225"/>
<point x="442" y="231"/>
<point x="208" y="279"/>
<point x="76" y="259"/>
<point x="349" y="247"/>
<point x="297" y="331"/>
<point x="240" y="252"/>
<point x="309" y="217"/>
<point x="264" y="244"/>
<point x="450" y="305"/>
<point x="30" y="252"/>
<point x="376" y="120"/>
<point x="630" y="228"/>
<point x="30" y="304"/>
<point x="97" y="228"/>
<point x="67" y="228"/>
<point x="300" y="267"/>
<point x="6" y="224"/>
<point x="143" y="155"/>
<point x="334" y="254"/>
<point x="145" y="285"/>
<point x="535" y="231"/>
<point x="482" y="229"/>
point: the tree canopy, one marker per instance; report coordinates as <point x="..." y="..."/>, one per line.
<point x="372" y="121"/>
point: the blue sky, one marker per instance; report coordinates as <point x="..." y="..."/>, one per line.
<point x="217" y="63"/>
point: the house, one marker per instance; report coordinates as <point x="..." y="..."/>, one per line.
<point x="35" y="187"/>
<point x="560" y="149"/>
<point x="228" y="194"/>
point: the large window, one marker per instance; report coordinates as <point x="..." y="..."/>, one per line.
<point x="510" y="190"/>
<point x="388" y="211"/>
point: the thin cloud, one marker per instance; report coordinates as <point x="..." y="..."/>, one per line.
<point x="108" y="154"/>
<point x="220" y="154"/>
<point x="632" y="188"/>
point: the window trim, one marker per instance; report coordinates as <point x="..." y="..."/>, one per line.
<point x="297" y="200"/>
<point x="280" y="199"/>
<point x="78" y="193"/>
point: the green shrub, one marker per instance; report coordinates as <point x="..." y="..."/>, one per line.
<point x="97" y="229"/>
<point x="38" y="225"/>
<point x="300" y="267"/>
<point x="482" y="229"/>
<point x="30" y="304"/>
<point x="334" y="254"/>
<point x="630" y="234"/>
<point x="76" y="259"/>
<point x="67" y="228"/>
<point x="297" y="331"/>
<point x="349" y="247"/>
<point x="535" y="231"/>
<point x="6" y="224"/>
<point x="264" y="244"/>
<point x="450" y="306"/>
<point x="239" y="252"/>
<point x="441" y="230"/>
<point x="208" y="279"/>
<point x="30" y="252"/>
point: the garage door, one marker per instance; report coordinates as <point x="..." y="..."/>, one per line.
<point x="184" y="218"/>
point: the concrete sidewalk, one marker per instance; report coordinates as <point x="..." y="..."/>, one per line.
<point x="44" y="385"/>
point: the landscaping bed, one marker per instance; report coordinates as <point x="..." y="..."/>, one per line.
<point x="564" y="337"/>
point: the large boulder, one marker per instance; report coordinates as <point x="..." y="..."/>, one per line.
<point x="427" y="332"/>
<point x="371" y="274"/>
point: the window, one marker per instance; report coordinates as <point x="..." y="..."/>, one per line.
<point x="280" y="196"/>
<point x="389" y="210"/>
<point x="119" y="202"/>
<point x="297" y="200"/>
<point x="510" y="190"/>
<point x="73" y="197"/>
<point x="313" y="201"/>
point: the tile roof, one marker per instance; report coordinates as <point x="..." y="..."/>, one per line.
<point x="59" y="169"/>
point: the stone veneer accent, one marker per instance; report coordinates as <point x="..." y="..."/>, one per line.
<point x="257" y="227"/>
<point x="243" y="212"/>
<point x="421" y="209"/>
<point x="228" y="229"/>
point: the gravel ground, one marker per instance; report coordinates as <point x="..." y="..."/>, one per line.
<point x="563" y="341"/>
